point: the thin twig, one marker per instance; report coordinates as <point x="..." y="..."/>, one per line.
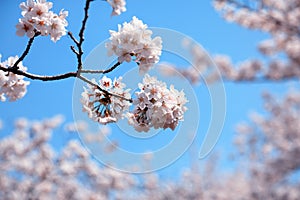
<point x="74" y="50"/>
<point x="101" y="71"/>
<point x="73" y="38"/>
<point x="26" y="51"/>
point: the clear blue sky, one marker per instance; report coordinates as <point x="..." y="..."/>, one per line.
<point x="194" y="18"/>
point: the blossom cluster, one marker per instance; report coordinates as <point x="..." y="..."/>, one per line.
<point x="101" y="106"/>
<point x="12" y="86"/>
<point x="71" y="173"/>
<point x="270" y="143"/>
<point x="133" y="39"/>
<point x="37" y="18"/>
<point x="157" y="106"/>
<point x="30" y="168"/>
<point x="118" y="6"/>
<point x="280" y="19"/>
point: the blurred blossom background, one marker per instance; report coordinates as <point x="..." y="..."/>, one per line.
<point x="255" y="46"/>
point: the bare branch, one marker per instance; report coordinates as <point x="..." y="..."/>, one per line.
<point x="73" y="38"/>
<point x="26" y="51"/>
<point x="86" y="15"/>
<point x="81" y="33"/>
<point x="59" y="77"/>
<point x="38" y="77"/>
<point x="101" y="71"/>
<point x="74" y="50"/>
<point x="79" y="42"/>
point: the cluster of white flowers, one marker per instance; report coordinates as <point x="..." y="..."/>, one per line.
<point x="103" y="107"/>
<point x="118" y="6"/>
<point x="157" y="106"/>
<point x="30" y="168"/>
<point x="12" y="86"/>
<point x="37" y="17"/>
<point x="134" y="39"/>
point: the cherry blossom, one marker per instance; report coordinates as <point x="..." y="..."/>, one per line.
<point x="134" y="39"/>
<point x="118" y="6"/>
<point x="30" y="168"/>
<point x="157" y="106"/>
<point x="101" y="106"/>
<point x="279" y="19"/>
<point x="37" y="17"/>
<point x="12" y="86"/>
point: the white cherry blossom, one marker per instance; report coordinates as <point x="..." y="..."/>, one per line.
<point x="134" y="39"/>
<point x="118" y="6"/>
<point x="102" y="107"/>
<point x="12" y="86"/>
<point x="157" y="106"/>
<point x="37" y="17"/>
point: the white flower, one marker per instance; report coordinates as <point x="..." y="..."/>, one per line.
<point x="157" y="106"/>
<point x="24" y="27"/>
<point x="38" y="17"/>
<point x="102" y="107"/>
<point x="12" y="86"/>
<point x="57" y="25"/>
<point x="106" y="82"/>
<point x="118" y="6"/>
<point x="134" y="39"/>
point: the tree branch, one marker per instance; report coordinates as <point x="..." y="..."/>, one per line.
<point x="73" y="38"/>
<point x="86" y="15"/>
<point x="79" y="42"/>
<point x="59" y="77"/>
<point x="101" y="71"/>
<point x="38" y="77"/>
<point x="81" y="33"/>
<point x="26" y="51"/>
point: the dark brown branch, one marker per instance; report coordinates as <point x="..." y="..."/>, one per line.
<point x="39" y="77"/>
<point x="26" y="51"/>
<point x="59" y="77"/>
<point x="86" y="15"/>
<point x="74" y="50"/>
<point x="79" y="42"/>
<point x="101" y="71"/>
<point x="81" y="33"/>
<point x="73" y="38"/>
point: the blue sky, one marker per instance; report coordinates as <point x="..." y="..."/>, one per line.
<point x="195" y="18"/>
